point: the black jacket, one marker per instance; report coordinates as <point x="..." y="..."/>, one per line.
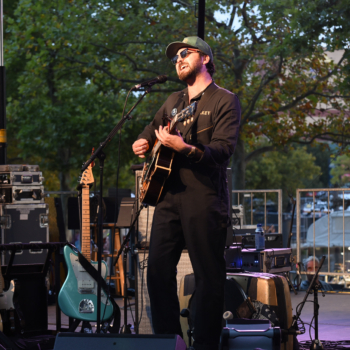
<point x="214" y="130"/>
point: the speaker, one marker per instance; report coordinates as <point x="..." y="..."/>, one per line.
<point x="77" y="341"/>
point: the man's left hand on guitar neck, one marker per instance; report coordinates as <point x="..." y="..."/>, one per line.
<point x="176" y="142"/>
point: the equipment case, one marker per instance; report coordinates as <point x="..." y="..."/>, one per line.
<point x="25" y="223"/>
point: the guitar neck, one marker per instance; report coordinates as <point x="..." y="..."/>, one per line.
<point x="173" y="124"/>
<point x="85" y="225"/>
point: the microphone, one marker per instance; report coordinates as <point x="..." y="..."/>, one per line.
<point x="160" y="79"/>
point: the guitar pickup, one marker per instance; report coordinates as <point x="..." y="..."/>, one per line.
<point x="85" y="285"/>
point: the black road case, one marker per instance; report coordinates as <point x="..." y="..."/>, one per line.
<point x="25" y="223"/>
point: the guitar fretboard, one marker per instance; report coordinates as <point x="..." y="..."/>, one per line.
<point x="85" y="225"/>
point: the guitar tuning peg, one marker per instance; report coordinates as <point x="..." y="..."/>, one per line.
<point x="192" y="119"/>
<point x="185" y="122"/>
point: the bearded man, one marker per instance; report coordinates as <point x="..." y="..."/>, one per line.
<point x="193" y="209"/>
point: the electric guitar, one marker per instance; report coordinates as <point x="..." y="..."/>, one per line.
<point x="78" y="295"/>
<point x="6" y="302"/>
<point x="157" y="168"/>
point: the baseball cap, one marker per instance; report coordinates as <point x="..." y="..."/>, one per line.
<point x="191" y="41"/>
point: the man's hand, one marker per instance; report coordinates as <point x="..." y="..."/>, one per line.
<point x="174" y="142"/>
<point x="140" y="147"/>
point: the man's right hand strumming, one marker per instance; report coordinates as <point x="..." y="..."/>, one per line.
<point x="140" y="147"/>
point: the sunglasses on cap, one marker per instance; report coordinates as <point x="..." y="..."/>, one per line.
<point x="183" y="54"/>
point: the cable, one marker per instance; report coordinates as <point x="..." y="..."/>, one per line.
<point x="311" y="326"/>
<point x="327" y="344"/>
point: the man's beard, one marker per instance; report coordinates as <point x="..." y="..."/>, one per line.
<point x="190" y="73"/>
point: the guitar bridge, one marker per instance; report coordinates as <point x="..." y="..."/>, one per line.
<point x="86" y="291"/>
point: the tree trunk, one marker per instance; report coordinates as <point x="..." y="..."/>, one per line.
<point x="65" y="180"/>
<point x="238" y="169"/>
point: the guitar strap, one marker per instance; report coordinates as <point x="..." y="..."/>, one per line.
<point x="94" y="274"/>
<point x="203" y="102"/>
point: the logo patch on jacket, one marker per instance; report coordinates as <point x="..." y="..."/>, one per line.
<point x="205" y="113"/>
<point x="174" y="112"/>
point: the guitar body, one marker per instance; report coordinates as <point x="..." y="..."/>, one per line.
<point x="78" y="295"/>
<point x="6" y="297"/>
<point x="6" y="303"/>
<point x="156" y="172"/>
<point x="158" y="165"/>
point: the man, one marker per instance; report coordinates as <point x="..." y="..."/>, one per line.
<point x="312" y="267"/>
<point x="193" y="210"/>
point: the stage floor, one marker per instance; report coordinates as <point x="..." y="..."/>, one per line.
<point x="334" y="315"/>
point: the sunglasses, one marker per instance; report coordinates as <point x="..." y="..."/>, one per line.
<point x="183" y="54"/>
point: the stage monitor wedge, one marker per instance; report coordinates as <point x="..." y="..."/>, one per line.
<point x="77" y="341"/>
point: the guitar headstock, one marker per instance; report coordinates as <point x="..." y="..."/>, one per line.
<point x="186" y="115"/>
<point x="87" y="177"/>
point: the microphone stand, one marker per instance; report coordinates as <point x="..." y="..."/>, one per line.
<point x="316" y="343"/>
<point x="101" y="156"/>
<point x="286" y="274"/>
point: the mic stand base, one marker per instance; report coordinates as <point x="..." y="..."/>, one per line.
<point x="316" y="345"/>
<point x="126" y="329"/>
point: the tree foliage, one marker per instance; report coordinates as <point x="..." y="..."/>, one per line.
<point x="284" y="170"/>
<point x="341" y="171"/>
<point x="78" y="58"/>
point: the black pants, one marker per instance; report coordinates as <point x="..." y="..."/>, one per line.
<point x="181" y="220"/>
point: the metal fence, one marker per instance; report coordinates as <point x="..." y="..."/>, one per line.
<point x="260" y="206"/>
<point x="328" y="232"/>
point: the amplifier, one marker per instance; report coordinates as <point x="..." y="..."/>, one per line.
<point x="268" y="260"/>
<point x="233" y="258"/>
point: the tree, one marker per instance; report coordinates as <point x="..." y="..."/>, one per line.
<point x="82" y="56"/>
<point x="283" y="170"/>
<point x="341" y="171"/>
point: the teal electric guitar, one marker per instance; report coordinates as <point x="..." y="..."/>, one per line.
<point x="78" y="295"/>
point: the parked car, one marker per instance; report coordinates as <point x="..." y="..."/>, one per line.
<point x="319" y="209"/>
